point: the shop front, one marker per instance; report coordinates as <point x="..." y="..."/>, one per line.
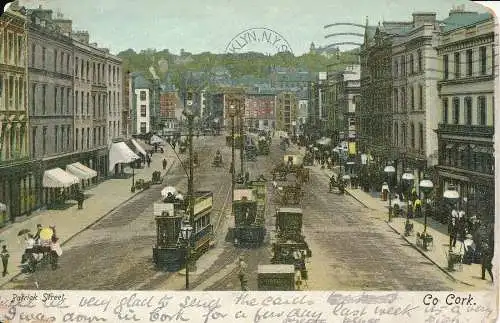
<point x="17" y="191"/>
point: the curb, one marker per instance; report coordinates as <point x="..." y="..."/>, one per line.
<point x="422" y="252"/>
<point x="93" y="222"/>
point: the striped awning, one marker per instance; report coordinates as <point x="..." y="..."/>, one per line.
<point x="56" y="177"/>
<point x="81" y="171"/>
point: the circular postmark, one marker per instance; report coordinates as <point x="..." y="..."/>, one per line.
<point x="251" y="38"/>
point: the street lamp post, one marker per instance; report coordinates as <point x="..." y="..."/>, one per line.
<point x="186" y="231"/>
<point x="242" y="139"/>
<point x="389" y="170"/>
<point x="452" y="196"/>
<point x="231" y="114"/>
<point x="408" y="179"/>
<point x="426" y="186"/>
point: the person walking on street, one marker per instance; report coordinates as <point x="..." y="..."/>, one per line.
<point x="453" y="228"/>
<point x="37" y="235"/>
<point x="486" y="260"/>
<point x="5" y="260"/>
<point x="164" y="163"/>
<point x="80" y="199"/>
<point x="242" y="273"/>
<point x="148" y="161"/>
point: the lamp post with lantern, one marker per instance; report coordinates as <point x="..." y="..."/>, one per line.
<point x="426" y="186"/>
<point x="389" y="170"/>
<point x="186" y="231"/>
<point x="232" y="112"/>
<point x="408" y="179"/>
<point x="452" y="196"/>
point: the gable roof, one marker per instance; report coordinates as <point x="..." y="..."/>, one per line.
<point x="461" y="19"/>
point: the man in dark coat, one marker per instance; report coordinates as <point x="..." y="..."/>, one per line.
<point x="164" y="164"/>
<point x="486" y="260"/>
<point x="5" y="260"/>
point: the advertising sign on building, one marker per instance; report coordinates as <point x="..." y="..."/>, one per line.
<point x="322" y="76"/>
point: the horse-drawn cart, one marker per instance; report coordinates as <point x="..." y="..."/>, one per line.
<point x="290" y="194"/>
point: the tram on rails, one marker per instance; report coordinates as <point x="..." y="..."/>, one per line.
<point x="169" y="252"/>
<point x="249" y="209"/>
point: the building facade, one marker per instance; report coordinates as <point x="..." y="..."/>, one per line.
<point x="17" y="181"/>
<point x="466" y="56"/>
<point x="113" y="78"/>
<point x="259" y="109"/>
<point x="126" y="129"/>
<point x="141" y="110"/>
<point x="286" y="111"/>
<point x="50" y="88"/>
<point x="414" y="96"/>
<point x="169" y="104"/>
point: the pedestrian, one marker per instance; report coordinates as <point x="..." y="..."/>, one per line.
<point x="242" y="273"/>
<point x="164" y="163"/>
<point x="5" y="260"/>
<point x="148" y="161"/>
<point x="417" y="208"/>
<point x="37" y="235"/>
<point x="486" y="260"/>
<point x="80" y="199"/>
<point x="453" y="227"/>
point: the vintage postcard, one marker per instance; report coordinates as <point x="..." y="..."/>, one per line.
<point x="259" y="161"/>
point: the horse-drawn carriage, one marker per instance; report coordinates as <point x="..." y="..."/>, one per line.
<point x="290" y="194"/>
<point x="290" y="246"/>
<point x="302" y="174"/>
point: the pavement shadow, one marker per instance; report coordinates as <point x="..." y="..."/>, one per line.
<point x="64" y="206"/>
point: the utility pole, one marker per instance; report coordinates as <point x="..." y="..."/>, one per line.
<point x="242" y="138"/>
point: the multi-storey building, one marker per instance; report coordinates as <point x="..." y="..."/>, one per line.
<point x="374" y="113"/>
<point x="50" y="88"/>
<point x="113" y="81"/>
<point x="414" y="95"/>
<point x="466" y="56"/>
<point x="318" y="111"/>
<point x="286" y="111"/>
<point x="259" y="109"/>
<point x="302" y="114"/>
<point x="17" y="182"/>
<point x="169" y="105"/>
<point x="127" y="97"/>
<point x="141" y="123"/>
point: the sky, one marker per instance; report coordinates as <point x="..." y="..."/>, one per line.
<point x="210" y="25"/>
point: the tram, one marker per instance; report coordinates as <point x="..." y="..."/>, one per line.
<point x="169" y="252"/>
<point x="249" y="208"/>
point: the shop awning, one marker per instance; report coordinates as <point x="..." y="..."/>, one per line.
<point x="138" y="147"/>
<point x="88" y="170"/>
<point x="81" y="171"/>
<point x="145" y="146"/>
<point x="3" y="207"/>
<point x="56" y="177"/>
<point x="156" y="140"/>
<point x="119" y="153"/>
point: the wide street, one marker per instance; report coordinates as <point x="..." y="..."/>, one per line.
<point x="351" y="249"/>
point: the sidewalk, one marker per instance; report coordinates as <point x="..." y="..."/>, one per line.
<point x="467" y="274"/>
<point x="100" y="201"/>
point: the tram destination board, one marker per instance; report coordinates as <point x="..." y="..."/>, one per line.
<point x="276" y="277"/>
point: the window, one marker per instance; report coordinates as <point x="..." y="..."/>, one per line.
<point x="412" y="98"/>
<point x="43" y="56"/>
<point x="493" y="62"/>
<point x="482" y="54"/>
<point x="412" y="133"/>
<point x="456" y="110"/>
<point x="33" y="96"/>
<point x="33" y="141"/>
<point x="396" y="100"/>
<point x="44" y="143"/>
<point x="469" y="62"/>
<point x="55" y="60"/>
<point x="81" y="104"/>
<point x="412" y="66"/>
<point x="88" y="137"/>
<point x="94" y="137"/>
<point x="67" y="65"/>
<point x="421" y="136"/>
<point x="396" y="67"/>
<point x="61" y="98"/>
<point x="33" y="54"/>
<point x="44" y="94"/>
<point x="67" y="137"/>
<point x="143" y="95"/>
<point x="445" y="67"/>
<point x="445" y="110"/>
<point x="143" y="127"/>
<point x="55" y="99"/>
<point x="405" y="133"/>
<point x="457" y="65"/>
<point x="82" y="135"/>
<point x="403" y="99"/>
<point x="20" y="47"/>
<point x="56" y="136"/>
<point x="481" y="113"/>
<point x="143" y="110"/>
<point x="88" y="72"/>
<point x="88" y="103"/>
<point x="68" y="95"/>
<point x="420" y="65"/>
<point x="76" y="139"/>
<point x="421" y="97"/>
<point x="468" y="110"/>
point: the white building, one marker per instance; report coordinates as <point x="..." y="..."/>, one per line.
<point x="142" y="111"/>
<point x="415" y="97"/>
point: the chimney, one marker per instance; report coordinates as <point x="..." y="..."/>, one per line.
<point x="422" y="18"/>
<point x="81" y="36"/>
<point x="66" y="26"/>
